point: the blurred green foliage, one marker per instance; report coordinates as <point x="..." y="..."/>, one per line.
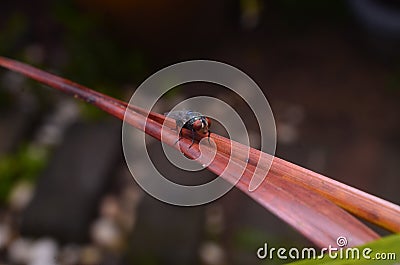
<point x="12" y="32"/>
<point x="80" y="45"/>
<point x="247" y="238"/>
<point x="393" y="82"/>
<point x="25" y="164"/>
<point x="5" y="99"/>
<point x="96" y="58"/>
<point x="303" y="13"/>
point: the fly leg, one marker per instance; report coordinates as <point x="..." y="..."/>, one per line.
<point x="180" y="134"/>
<point x="192" y="138"/>
<point x="209" y="136"/>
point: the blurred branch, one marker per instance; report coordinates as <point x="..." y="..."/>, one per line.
<point x="304" y="199"/>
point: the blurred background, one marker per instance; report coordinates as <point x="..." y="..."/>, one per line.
<point x="330" y="70"/>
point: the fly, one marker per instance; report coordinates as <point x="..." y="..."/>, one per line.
<point x="191" y="120"/>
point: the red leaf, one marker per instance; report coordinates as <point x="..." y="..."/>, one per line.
<point x="304" y="199"/>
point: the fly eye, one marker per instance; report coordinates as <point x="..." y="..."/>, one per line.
<point x="208" y="122"/>
<point x="197" y="125"/>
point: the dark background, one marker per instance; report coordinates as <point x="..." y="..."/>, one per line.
<point x="330" y="70"/>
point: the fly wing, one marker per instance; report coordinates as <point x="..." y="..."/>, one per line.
<point x="176" y="115"/>
<point x="180" y="116"/>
